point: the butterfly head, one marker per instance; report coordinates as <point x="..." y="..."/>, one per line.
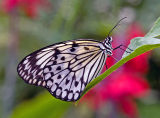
<point x="108" y="46"/>
<point x="107" y="42"/>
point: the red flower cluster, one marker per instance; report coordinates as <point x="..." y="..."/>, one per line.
<point x="30" y="7"/>
<point x="127" y="83"/>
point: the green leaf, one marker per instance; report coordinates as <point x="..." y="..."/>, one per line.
<point x="155" y="30"/>
<point x="140" y="45"/>
<point x="141" y="41"/>
<point x="42" y="106"/>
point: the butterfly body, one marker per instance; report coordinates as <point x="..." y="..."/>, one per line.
<point x="65" y="68"/>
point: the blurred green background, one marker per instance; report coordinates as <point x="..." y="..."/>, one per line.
<point x="27" y="25"/>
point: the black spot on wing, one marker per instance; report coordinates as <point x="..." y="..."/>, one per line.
<point x="86" y="48"/>
<point x="57" y="52"/>
<point x="58" y="68"/>
<point x="76" y="83"/>
<point x="63" y="58"/>
<point x="59" y="77"/>
<point x="55" y="62"/>
<point x="72" y="49"/>
<point x="67" y="81"/>
<point x="75" y="44"/>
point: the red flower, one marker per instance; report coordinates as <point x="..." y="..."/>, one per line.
<point x="30" y="7"/>
<point x="9" y="5"/>
<point x="122" y="88"/>
<point x="139" y="64"/>
<point x="128" y="107"/>
<point x="124" y="84"/>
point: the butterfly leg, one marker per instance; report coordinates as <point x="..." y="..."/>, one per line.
<point x="120" y="47"/>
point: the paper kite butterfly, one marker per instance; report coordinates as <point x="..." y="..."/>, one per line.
<point x="65" y="68"/>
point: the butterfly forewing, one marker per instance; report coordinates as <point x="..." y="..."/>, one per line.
<point x="64" y="68"/>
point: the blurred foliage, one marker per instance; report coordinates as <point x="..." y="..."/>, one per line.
<point x="149" y="110"/>
<point x="41" y="105"/>
<point x="66" y="20"/>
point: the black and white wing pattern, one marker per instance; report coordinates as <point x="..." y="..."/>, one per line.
<point x="64" y="68"/>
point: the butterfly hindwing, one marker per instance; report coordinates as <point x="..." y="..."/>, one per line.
<point x="64" y="68"/>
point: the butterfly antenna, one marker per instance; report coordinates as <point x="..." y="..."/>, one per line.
<point x="118" y="23"/>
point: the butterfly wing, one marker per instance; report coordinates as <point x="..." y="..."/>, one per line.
<point x="64" y="68"/>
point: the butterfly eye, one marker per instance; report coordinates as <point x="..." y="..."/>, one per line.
<point x="110" y="39"/>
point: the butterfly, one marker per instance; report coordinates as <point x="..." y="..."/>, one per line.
<point x="66" y="68"/>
